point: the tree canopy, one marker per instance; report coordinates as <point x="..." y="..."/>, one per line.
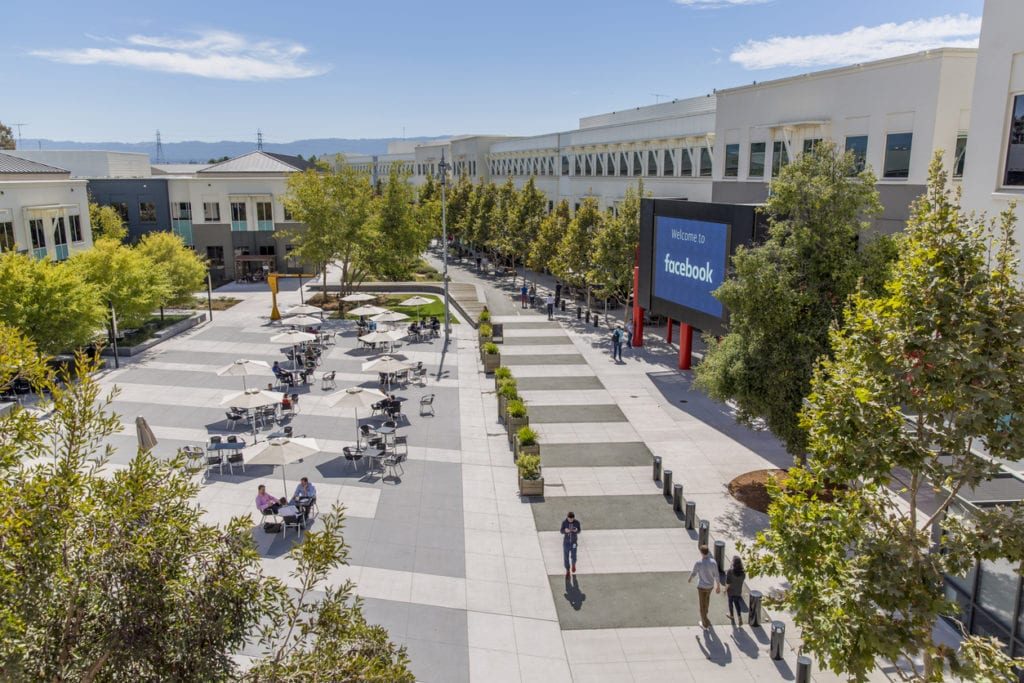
<point x="124" y="277"/>
<point x="920" y="399"/>
<point x="7" y="137"/>
<point x="106" y="223"/>
<point x="574" y="258"/>
<point x="615" y="247"/>
<point x="549" y="236"/>
<point x="786" y="293"/>
<point x="396" y="229"/>
<point x="184" y="270"/>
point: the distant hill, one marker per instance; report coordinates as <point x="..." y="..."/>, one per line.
<point x="196" y="151"/>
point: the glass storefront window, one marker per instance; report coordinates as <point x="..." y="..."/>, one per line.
<point x="998" y="587"/>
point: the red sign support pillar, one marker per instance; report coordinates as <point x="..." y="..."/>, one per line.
<point x="685" y="346"/>
<point x="638" y="312"/>
<point x="668" y="335"/>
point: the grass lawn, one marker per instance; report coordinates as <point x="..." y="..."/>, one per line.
<point x="391" y="301"/>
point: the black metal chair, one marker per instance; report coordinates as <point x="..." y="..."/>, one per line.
<point x="327" y="381"/>
<point x="352" y="455"/>
<point x="233" y="417"/>
<point x="427" y="403"/>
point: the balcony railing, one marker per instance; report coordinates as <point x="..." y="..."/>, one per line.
<point x="239" y="226"/>
<point x="265" y="226"/>
<point x="182" y="227"/>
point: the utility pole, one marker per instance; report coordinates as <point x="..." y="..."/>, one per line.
<point x="443" y="170"/>
<point x="159" y="149"/>
<point x="19" y="125"/>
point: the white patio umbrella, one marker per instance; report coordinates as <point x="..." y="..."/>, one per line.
<point x="252" y="398"/>
<point x="417" y="301"/>
<point x="389" y="317"/>
<point x="293" y="337"/>
<point x="303" y="309"/>
<point x="368" y="310"/>
<point x="244" y="367"/>
<point x="282" y="452"/>
<point x="386" y="364"/>
<point x="147" y="440"/>
<point x="382" y="337"/>
<point x="355" y="398"/>
<point x="302" y="320"/>
<point x="358" y="296"/>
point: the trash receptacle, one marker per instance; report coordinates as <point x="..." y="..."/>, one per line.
<point x="754" y="613"/>
<point x="778" y="639"/>
<point x="666" y="483"/>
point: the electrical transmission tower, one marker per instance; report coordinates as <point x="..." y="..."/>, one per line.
<point x="259" y="139"/>
<point x="160" y="150"/>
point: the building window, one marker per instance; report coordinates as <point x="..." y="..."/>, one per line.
<point x="960" y="155"/>
<point x="264" y="211"/>
<point x="637" y="164"/>
<point x="237" y="211"/>
<point x="147" y="212"/>
<point x="685" y="163"/>
<point x="287" y="212"/>
<point x="551" y="206"/>
<point x="755" y="169"/>
<point x="211" y="212"/>
<point x="652" y="163"/>
<point x="810" y="144"/>
<point x="122" y="210"/>
<point x="780" y="157"/>
<point x="6" y="236"/>
<point x="75" y="228"/>
<point x="623" y="167"/>
<point x="705" y="162"/>
<point x="1015" y="145"/>
<point x="215" y="255"/>
<point x="897" y="155"/>
<point x="858" y="144"/>
<point x="670" y="168"/>
<point x="577" y="170"/>
<point x="182" y="210"/>
<point x="586" y="165"/>
<point x="732" y="161"/>
<point x="599" y="161"/>
<point x="576" y="207"/>
<point x="37" y="233"/>
<point x="266" y="250"/>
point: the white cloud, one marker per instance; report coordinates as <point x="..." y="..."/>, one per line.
<point x="861" y="44"/>
<point x="209" y="54"/>
<point x="719" y="4"/>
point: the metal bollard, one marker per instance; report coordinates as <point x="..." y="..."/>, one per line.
<point x="691" y="513"/>
<point x="775" y="648"/>
<point x="677" y="497"/>
<point x="754" y="614"/>
<point x="579" y="312"/>
<point x="596" y="320"/>
<point x="666" y="483"/>
<point x="720" y="555"/>
<point x="703" y="532"/>
<point x="563" y="305"/>
<point x="803" y="669"/>
<point x="657" y="468"/>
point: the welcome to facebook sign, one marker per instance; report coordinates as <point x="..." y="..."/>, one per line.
<point x="689" y="262"/>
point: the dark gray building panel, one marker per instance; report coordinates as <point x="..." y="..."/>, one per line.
<point x="132" y="192"/>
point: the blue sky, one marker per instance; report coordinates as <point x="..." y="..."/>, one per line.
<point x="115" y="70"/>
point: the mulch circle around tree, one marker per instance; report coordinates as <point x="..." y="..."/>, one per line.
<point x="751" y="488"/>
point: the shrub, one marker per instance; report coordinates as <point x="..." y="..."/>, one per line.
<point x="508" y="389"/>
<point x="528" y="466"/>
<point x="526" y="436"/>
<point x="485" y="330"/>
<point x="490" y="348"/>
<point x="516" y="408"/>
<point x="485" y="316"/>
<point x="503" y="373"/>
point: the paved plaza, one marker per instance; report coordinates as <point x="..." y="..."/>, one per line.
<point x="447" y="556"/>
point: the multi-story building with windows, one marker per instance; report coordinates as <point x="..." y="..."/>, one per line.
<point x="43" y="210"/>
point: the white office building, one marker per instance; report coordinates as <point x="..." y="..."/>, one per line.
<point x="43" y="210"/>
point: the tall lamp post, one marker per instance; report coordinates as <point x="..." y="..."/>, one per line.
<point x="442" y="168"/>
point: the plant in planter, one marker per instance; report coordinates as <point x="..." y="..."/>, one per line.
<point x="485" y="332"/>
<point x="500" y="374"/>
<point x="491" y="358"/>
<point x="485" y="316"/>
<point x="507" y="391"/>
<point x="517" y="418"/>
<point x="526" y="442"/>
<point x="531" y="482"/>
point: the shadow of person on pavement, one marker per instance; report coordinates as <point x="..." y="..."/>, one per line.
<point x="744" y="642"/>
<point x="573" y="593"/>
<point x="713" y="648"/>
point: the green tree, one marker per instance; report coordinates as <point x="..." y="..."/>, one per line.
<point x="525" y="217"/>
<point x="124" y="277"/>
<point x="482" y="215"/>
<point x="503" y="220"/>
<point x="615" y="248"/>
<point x="7" y="137"/>
<point x="549" y="236"/>
<point x="184" y="269"/>
<point x="787" y="292"/>
<point x="574" y="258"/>
<point x="106" y="223"/>
<point x="921" y="377"/>
<point x="49" y="303"/>
<point x="335" y="208"/>
<point x="115" y="575"/>
<point x="398" y="237"/>
<point x="459" y="200"/>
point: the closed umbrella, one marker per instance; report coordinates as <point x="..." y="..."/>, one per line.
<point x="358" y="296"/>
<point x="389" y="317"/>
<point x="283" y="452"/>
<point x="147" y="439"/>
<point x="250" y="399"/>
<point x="355" y="398"/>
<point x="417" y="301"/>
<point x="302" y="320"/>
<point x="244" y="367"/>
<point x="368" y="310"/>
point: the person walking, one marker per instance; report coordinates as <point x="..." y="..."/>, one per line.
<point x="523" y="291"/>
<point x="629" y="332"/>
<point x="706" y="571"/>
<point x="734" y="586"/>
<point x="533" y="295"/>
<point x="549" y="302"/>
<point x="570" y="540"/>
<point x="558" y="292"/>
<point x="617" y="336"/>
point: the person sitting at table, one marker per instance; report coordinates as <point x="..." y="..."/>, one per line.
<point x="372" y="326"/>
<point x="435" y="325"/>
<point x="278" y="370"/>
<point x="266" y="503"/>
<point x="305" y="493"/>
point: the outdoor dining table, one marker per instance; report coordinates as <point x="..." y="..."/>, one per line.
<point x="233" y="446"/>
<point x="374" y="455"/>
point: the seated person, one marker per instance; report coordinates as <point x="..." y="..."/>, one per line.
<point x="305" y="493"/>
<point x="266" y="503"/>
<point x="373" y="326"/>
<point x="278" y="370"/>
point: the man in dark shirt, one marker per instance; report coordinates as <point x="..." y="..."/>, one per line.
<point x="570" y="539"/>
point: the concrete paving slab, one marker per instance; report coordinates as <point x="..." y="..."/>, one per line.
<point x="553" y="359"/>
<point x="562" y="339"/>
<point x="595" y="454"/>
<point x="558" y="383"/>
<point x="607" y="512"/>
<point x="573" y="414"/>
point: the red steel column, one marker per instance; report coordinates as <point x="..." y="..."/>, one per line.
<point x="668" y="335"/>
<point x="685" y="346"/>
<point x="638" y="312"/>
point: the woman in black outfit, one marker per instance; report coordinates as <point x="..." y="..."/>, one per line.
<point x="734" y="586"/>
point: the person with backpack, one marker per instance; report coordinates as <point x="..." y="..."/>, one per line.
<point x="734" y="586"/>
<point x="617" y="337"/>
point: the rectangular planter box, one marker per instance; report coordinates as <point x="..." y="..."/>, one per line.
<point x="526" y="450"/>
<point x="513" y="424"/>
<point x="162" y="335"/>
<point x="491" y="362"/>
<point x="531" y="487"/>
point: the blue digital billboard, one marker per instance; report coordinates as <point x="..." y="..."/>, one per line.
<point x="690" y="258"/>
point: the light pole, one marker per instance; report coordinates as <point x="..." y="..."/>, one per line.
<point x="443" y="170"/>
